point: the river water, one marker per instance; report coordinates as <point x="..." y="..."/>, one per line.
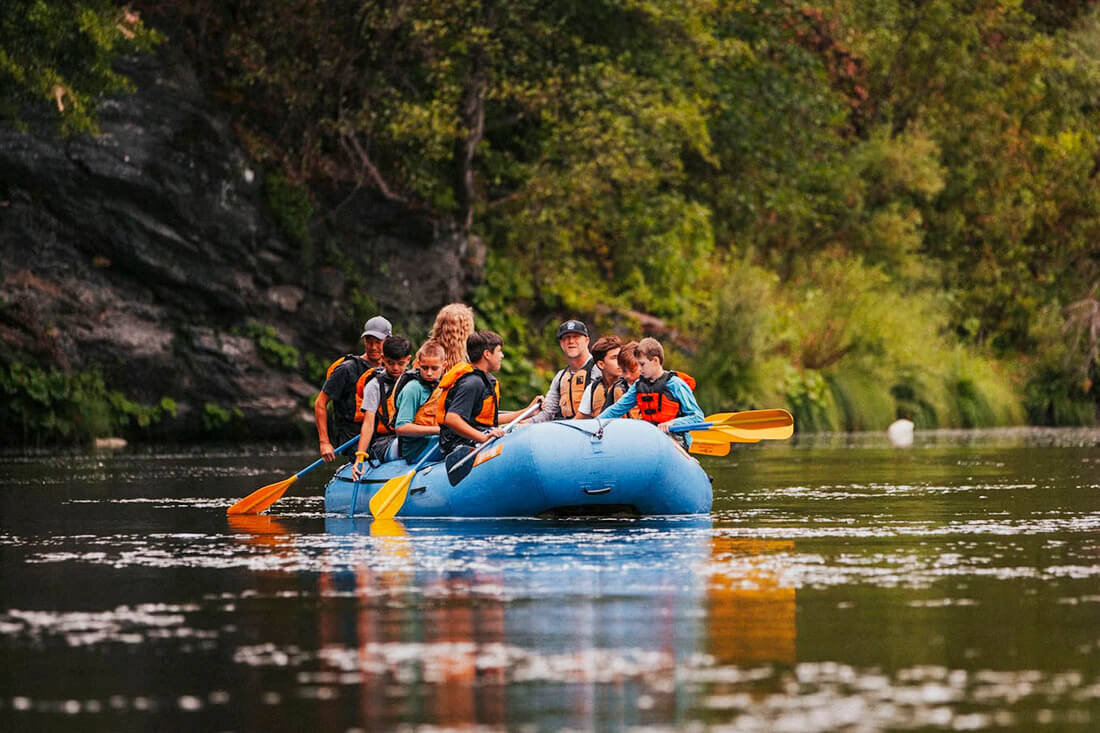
<point x="839" y="583"/>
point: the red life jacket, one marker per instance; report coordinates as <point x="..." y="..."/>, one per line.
<point x="655" y="402"/>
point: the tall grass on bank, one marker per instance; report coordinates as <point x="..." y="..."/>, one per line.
<point x="844" y="349"/>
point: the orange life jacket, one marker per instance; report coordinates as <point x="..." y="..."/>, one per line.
<point x="429" y="411"/>
<point x="486" y="416"/>
<point x="605" y="396"/>
<point x="386" y="413"/>
<point x="571" y="393"/>
<point x="655" y="402"/>
<point x="426" y="413"/>
<point x="359" y="383"/>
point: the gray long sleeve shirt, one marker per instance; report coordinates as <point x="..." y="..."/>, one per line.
<point x="551" y="403"/>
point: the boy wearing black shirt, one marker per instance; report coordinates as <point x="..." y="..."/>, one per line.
<point x="471" y="413"/>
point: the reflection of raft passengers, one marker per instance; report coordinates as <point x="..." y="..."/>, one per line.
<point x="471" y="395"/>
<point x="602" y="393"/>
<point x="343" y="388"/>
<point x="377" y="408"/>
<point x="563" y="399"/>
<point x="663" y="398"/>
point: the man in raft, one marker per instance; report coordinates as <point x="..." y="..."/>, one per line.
<point x="663" y="398"/>
<point x="471" y="396"/>
<point x="563" y="399"/>
<point x="343" y="388"/>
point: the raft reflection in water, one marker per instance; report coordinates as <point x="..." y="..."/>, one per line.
<point x="510" y="622"/>
<point x="495" y="623"/>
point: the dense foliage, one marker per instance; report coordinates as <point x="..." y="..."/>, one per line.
<point x="857" y="208"/>
<point x="59" y="53"/>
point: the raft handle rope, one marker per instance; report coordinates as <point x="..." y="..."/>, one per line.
<point x="597" y="434"/>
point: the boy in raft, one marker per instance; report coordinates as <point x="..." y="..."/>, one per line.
<point x="628" y="364"/>
<point x="629" y="367"/>
<point x="418" y="401"/>
<point x="471" y="395"/>
<point x="563" y="399"/>
<point x="343" y="388"/>
<point x="662" y="397"/>
<point x="377" y="431"/>
<point x="602" y="393"/>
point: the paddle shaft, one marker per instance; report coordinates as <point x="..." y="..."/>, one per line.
<point x="319" y="461"/>
<point x="507" y="428"/>
<point x="689" y="428"/>
<point x="262" y="498"/>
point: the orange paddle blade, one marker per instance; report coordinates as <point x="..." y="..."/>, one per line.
<point x="261" y="499"/>
<point x="389" y="499"/>
<point x="709" y="449"/>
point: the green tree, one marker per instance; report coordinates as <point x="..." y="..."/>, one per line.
<point x="57" y="56"/>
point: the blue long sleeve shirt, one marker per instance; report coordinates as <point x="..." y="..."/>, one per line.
<point x="690" y="412"/>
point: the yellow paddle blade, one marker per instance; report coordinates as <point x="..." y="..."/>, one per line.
<point x="387" y="528"/>
<point x="773" y="424"/>
<point x="725" y="435"/>
<point x="753" y="435"/>
<point x="261" y="499"/>
<point x="709" y="449"/>
<point x="389" y="499"/>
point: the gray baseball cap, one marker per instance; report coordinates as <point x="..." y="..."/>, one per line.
<point x="378" y="327"/>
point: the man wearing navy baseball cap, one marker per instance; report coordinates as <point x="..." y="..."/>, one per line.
<point x="568" y="385"/>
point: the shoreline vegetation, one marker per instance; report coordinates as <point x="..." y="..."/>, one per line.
<point x="858" y="211"/>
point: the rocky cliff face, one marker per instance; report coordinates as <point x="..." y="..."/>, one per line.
<point x="146" y="251"/>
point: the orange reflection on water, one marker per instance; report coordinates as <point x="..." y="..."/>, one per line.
<point x="751" y="614"/>
<point x="259" y="529"/>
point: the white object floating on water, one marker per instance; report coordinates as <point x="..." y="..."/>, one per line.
<point x="110" y="443"/>
<point x="901" y="433"/>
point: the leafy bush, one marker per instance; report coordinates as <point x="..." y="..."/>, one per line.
<point x="290" y="205"/>
<point x="59" y="56"/>
<point x="217" y="419"/>
<point x="51" y="406"/>
<point x="272" y="350"/>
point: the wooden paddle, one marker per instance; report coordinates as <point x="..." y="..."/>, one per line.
<point x="261" y="499"/>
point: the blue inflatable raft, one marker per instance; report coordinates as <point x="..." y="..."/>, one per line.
<point x="568" y="468"/>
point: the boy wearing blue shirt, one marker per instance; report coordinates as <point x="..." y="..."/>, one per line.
<point x="664" y="398"/>
<point x="416" y="412"/>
